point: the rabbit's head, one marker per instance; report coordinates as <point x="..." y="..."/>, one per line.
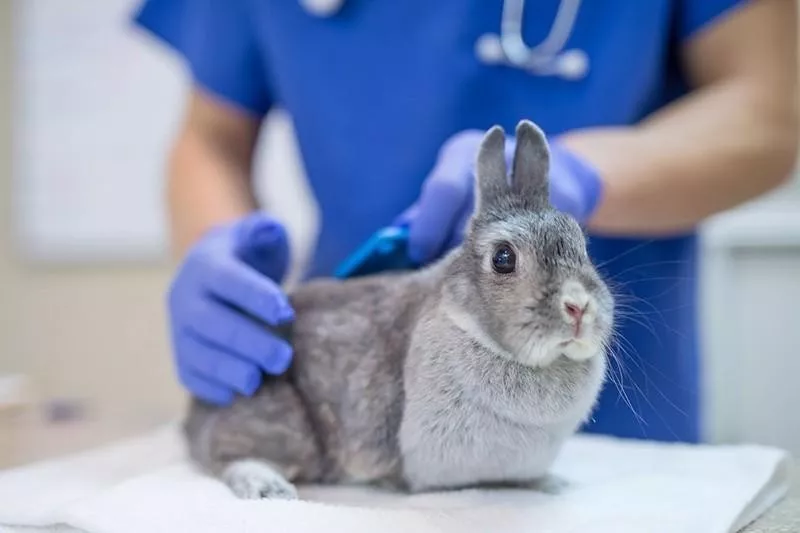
<point x="523" y="276"/>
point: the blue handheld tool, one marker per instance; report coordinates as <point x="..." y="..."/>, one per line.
<point x="385" y="250"/>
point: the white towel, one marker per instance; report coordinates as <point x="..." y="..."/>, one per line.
<point x="613" y="486"/>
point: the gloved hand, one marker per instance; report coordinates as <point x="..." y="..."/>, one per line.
<point x="436" y="221"/>
<point x="232" y="272"/>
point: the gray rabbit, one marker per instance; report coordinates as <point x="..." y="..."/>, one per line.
<point x="470" y="372"/>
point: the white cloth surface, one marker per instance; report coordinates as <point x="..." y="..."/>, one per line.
<point x="613" y="485"/>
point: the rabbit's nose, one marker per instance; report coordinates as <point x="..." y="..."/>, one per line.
<point x="575" y="311"/>
<point x="575" y="304"/>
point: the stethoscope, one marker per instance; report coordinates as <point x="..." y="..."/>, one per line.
<point x="548" y="58"/>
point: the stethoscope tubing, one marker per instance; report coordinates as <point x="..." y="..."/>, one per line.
<point x="548" y="58"/>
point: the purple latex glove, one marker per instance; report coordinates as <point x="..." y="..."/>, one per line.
<point x="436" y="221"/>
<point x="226" y="285"/>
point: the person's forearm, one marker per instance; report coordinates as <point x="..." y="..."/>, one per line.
<point x="206" y="187"/>
<point x="710" y="152"/>
<point x="732" y="139"/>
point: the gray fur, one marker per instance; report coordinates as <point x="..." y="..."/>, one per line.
<point x="447" y="377"/>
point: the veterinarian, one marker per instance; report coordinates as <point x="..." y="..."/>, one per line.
<point x="659" y="114"/>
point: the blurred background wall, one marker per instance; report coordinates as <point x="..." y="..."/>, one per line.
<point x="83" y="329"/>
<point x="92" y="334"/>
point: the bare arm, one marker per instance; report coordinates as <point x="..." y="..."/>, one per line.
<point x="209" y="172"/>
<point x="732" y="139"/>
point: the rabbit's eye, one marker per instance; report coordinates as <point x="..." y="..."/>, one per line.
<point x="504" y="260"/>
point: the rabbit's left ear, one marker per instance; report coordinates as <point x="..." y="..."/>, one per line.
<point x="529" y="177"/>
<point x="491" y="173"/>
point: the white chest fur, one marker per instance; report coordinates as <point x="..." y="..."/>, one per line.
<point x="470" y="445"/>
<point x="472" y="416"/>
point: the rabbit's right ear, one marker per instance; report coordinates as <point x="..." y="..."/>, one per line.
<point x="491" y="171"/>
<point x="531" y="165"/>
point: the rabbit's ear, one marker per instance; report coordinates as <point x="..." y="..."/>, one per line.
<point x="529" y="177"/>
<point x="491" y="171"/>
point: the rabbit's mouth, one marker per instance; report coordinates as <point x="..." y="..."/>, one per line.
<point x="578" y="349"/>
<point x="545" y="352"/>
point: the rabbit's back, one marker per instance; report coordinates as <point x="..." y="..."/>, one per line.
<point x="350" y="341"/>
<point x="334" y="416"/>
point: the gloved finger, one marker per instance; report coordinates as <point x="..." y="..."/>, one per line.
<point x="441" y="200"/>
<point x="204" y="389"/>
<point x="262" y="243"/>
<point x="237" y="284"/>
<point x="224" y="327"/>
<point x="217" y="365"/>
<point x="575" y="186"/>
<point x="405" y="218"/>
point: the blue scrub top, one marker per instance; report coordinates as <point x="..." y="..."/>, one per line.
<point x="377" y="88"/>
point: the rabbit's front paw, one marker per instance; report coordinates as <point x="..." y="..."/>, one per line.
<point x="256" y="480"/>
<point x="548" y="484"/>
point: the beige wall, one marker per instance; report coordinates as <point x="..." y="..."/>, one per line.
<point x="90" y="333"/>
